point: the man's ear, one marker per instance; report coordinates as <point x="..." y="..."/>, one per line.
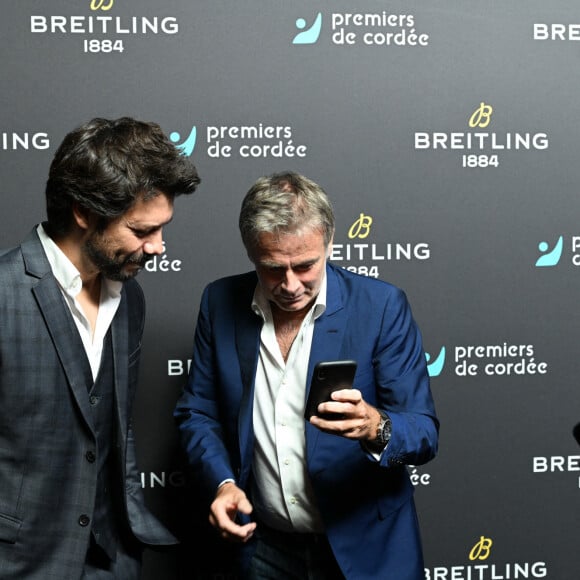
<point x="82" y="216"/>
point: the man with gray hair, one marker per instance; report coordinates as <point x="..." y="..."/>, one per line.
<point x="328" y="496"/>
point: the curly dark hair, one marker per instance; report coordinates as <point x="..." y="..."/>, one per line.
<point x="105" y="165"/>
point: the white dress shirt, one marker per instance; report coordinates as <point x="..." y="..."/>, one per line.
<point x="69" y="280"/>
<point x="284" y="498"/>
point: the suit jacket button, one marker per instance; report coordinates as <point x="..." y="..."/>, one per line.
<point x="84" y="520"/>
<point x="91" y="457"/>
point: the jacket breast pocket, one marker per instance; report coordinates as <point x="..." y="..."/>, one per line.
<point x="9" y="529"/>
<point x="135" y="355"/>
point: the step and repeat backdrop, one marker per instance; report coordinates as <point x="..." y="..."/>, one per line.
<point x="447" y="134"/>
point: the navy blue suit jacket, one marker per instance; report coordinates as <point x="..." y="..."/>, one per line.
<point x="367" y="506"/>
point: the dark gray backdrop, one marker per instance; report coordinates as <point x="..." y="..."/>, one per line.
<point x="460" y="234"/>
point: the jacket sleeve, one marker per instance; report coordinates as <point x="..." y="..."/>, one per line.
<point x="403" y="387"/>
<point x="198" y="412"/>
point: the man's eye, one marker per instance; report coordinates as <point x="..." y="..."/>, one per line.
<point x="143" y="233"/>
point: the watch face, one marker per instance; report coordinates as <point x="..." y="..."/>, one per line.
<point x="385" y="431"/>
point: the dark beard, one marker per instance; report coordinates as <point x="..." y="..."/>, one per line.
<point x="113" y="267"/>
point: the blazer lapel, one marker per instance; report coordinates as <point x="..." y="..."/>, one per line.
<point x="329" y="328"/>
<point x="327" y="340"/>
<point x="247" y="331"/>
<point x="67" y="342"/>
<point x="119" y="342"/>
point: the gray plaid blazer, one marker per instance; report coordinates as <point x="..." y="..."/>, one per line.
<point x="47" y="479"/>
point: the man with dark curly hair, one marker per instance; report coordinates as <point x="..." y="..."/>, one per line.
<point x="71" y="319"/>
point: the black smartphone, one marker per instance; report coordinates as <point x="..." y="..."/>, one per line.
<point x="328" y="376"/>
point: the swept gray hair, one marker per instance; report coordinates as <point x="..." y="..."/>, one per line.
<point x="285" y="203"/>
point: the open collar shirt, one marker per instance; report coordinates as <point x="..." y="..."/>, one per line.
<point x="284" y="498"/>
<point x="69" y="280"/>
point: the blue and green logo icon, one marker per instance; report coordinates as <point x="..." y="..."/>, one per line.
<point x="308" y="35"/>
<point x="434" y="368"/>
<point x="188" y="145"/>
<point x="550" y="256"/>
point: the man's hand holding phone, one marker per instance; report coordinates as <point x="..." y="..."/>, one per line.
<point x="328" y="377"/>
<point x="333" y="406"/>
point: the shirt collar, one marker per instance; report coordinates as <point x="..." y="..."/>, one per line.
<point x="65" y="272"/>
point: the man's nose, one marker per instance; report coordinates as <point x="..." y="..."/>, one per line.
<point x="154" y="243"/>
<point x="291" y="282"/>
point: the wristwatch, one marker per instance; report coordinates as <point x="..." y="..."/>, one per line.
<point x="383" y="430"/>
